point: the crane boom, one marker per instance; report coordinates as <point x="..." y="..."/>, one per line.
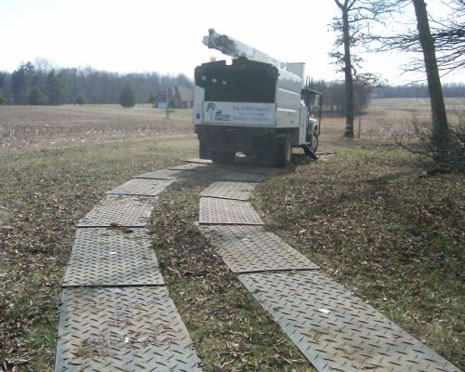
<point x="234" y="48"/>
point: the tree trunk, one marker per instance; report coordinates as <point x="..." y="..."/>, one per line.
<point x="349" y="83"/>
<point x="441" y="133"/>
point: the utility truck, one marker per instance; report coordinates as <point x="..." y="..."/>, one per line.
<point x="257" y="105"/>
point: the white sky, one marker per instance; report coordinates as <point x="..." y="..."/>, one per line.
<point x="165" y="36"/>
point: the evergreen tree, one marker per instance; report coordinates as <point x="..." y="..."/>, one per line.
<point x="151" y="98"/>
<point x="126" y="97"/>
<point x="36" y="97"/>
<point x="80" y="100"/>
<point x="53" y="88"/>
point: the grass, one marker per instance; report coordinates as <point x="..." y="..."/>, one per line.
<point x="24" y="127"/>
<point x="43" y="193"/>
<point x="367" y="216"/>
<point x="371" y="220"/>
<point x="230" y="330"/>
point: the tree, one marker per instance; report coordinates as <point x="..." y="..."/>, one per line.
<point x="441" y="133"/>
<point x="127" y="98"/>
<point x="21" y="81"/>
<point x="356" y="17"/>
<point x="423" y="40"/>
<point x="346" y="6"/>
<point x="36" y="97"/>
<point x="151" y="98"/>
<point x="448" y="35"/>
<point x="53" y="88"/>
<point x="333" y="93"/>
<point x="80" y="100"/>
<point x="449" y="38"/>
<point x="3" y="76"/>
<point x="64" y="85"/>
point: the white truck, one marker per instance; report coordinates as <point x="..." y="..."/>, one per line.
<point x="257" y="105"/>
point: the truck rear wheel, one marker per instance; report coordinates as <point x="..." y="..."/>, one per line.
<point x="223" y="157"/>
<point x="285" y="152"/>
<point x="314" y="144"/>
<point x="203" y="149"/>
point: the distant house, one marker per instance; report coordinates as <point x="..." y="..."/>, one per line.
<point x="179" y="97"/>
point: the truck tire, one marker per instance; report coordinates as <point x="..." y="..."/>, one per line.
<point x="223" y="157"/>
<point x="203" y="150"/>
<point x="285" y="152"/>
<point x="314" y="144"/>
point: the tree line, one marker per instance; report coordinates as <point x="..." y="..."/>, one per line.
<point x="35" y="84"/>
<point x="416" y="91"/>
<point x="334" y="94"/>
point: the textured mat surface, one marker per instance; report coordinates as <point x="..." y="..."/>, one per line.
<point x="244" y="177"/>
<point x="199" y="161"/>
<point x="111" y="257"/>
<point x="129" y="211"/>
<point x="251" y="248"/>
<point x="164" y="174"/>
<point x="229" y="190"/>
<point x="227" y="212"/>
<point x="122" y="329"/>
<point x="142" y="187"/>
<point x="335" y="330"/>
<point x="192" y="167"/>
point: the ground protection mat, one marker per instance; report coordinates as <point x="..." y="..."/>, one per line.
<point x="113" y="211"/>
<point x="112" y="257"/>
<point x="229" y="190"/>
<point x="197" y="160"/>
<point x="252" y="249"/>
<point x="141" y="187"/>
<point x="335" y="330"/>
<point x="214" y="211"/>
<point x="164" y="174"/>
<point x="122" y="329"/>
<point x="191" y="167"/>
<point x="244" y="177"/>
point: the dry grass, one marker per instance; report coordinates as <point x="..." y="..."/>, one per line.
<point x="43" y="193"/>
<point x="387" y="117"/>
<point x="370" y="218"/>
<point x="365" y="215"/>
<point x="51" y="126"/>
<point x="230" y="330"/>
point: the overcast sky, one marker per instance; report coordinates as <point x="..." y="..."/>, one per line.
<point x="165" y="36"/>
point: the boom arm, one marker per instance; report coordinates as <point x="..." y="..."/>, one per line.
<point x="234" y="48"/>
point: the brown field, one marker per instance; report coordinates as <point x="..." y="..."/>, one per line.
<point x="52" y="126"/>
<point x="31" y="127"/>
<point x="368" y="216"/>
<point x="387" y="118"/>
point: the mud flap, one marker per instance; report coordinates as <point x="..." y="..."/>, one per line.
<point x="309" y="152"/>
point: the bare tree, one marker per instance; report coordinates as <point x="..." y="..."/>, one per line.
<point x="346" y="6"/>
<point x="448" y="35"/>
<point x="354" y="24"/>
<point x="441" y="133"/>
<point x="424" y="40"/>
